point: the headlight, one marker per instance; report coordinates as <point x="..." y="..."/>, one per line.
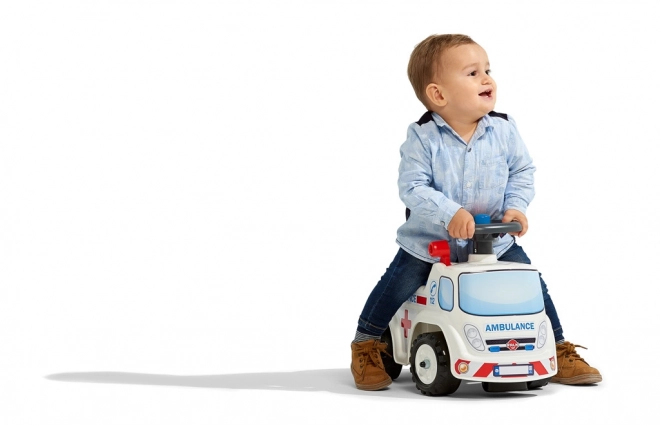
<point x="543" y="335"/>
<point x="473" y="337"/>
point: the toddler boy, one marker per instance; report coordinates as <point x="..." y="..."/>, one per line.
<point x="460" y="159"/>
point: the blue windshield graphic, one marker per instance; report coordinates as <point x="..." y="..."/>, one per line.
<point x="500" y="293"/>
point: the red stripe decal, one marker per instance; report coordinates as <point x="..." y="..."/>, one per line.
<point x="421" y="300"/>
<point x="539" y="368"/>
<point x="484" y="370"/>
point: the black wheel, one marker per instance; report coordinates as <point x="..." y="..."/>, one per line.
<point x="431" y="366"/>
<point x="538" y="383"/>
<point x="391" y="367"/>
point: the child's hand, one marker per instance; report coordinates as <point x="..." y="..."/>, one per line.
<point x="515" y="215"/>
<point x="461" y="225"/>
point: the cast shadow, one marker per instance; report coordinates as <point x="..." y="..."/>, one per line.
<point x="338" y="381"/>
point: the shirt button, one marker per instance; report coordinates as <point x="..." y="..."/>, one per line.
<point x="469" y="184"/>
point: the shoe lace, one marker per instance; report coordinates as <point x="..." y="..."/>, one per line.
<point x="382" y="348"/>
<point x="573" y="355"/>
<point x="372" y="353"/>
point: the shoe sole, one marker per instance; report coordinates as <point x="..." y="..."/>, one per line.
<point x="577" y="380"/>
<point x="374" y="387"/>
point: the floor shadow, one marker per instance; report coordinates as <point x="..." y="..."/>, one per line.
<point x="337" y="381"/>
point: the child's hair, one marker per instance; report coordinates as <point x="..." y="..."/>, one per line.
<point x="425" y="59"/>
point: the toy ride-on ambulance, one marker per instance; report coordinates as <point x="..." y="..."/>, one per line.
<point x="483" y="320"/>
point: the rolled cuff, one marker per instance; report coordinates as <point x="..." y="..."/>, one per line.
<point x="515" y="203"/>
<point x="448" y="212"/>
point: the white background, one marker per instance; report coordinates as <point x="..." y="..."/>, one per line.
<point x="196" y="199"/>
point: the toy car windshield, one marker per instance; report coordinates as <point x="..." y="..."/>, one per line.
<point x="500" y="293"/>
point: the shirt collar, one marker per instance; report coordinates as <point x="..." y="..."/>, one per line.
<point x="485" y="122"/>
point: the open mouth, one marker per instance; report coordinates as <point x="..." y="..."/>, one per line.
<point x="487" y="93"/>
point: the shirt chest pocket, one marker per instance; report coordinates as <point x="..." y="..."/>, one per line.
<point x="493" y="173"/>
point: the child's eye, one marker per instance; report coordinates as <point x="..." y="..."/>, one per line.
<point x="488" y="72"/>
<point x="473" y="74"/>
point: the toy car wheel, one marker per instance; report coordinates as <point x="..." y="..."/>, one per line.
<point x="391" y="367"/>
<point x="430" y="365"/>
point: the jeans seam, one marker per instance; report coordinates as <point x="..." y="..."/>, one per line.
<point x="369" y="325"/>
<point x="391" y="275"/>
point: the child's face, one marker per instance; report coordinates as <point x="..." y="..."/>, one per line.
<point x="465" y="83"/>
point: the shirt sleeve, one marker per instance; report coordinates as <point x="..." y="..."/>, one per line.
<point x="416" y="178"/>
<point x="519" y="190"/>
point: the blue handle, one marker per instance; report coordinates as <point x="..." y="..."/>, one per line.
<point x="482" y="219"/>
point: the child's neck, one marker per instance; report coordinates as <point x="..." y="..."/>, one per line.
<point x="464" y="129"/>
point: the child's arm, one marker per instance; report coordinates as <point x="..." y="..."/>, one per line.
<point x="418" y="194"/>
<point x="519" y="190"/>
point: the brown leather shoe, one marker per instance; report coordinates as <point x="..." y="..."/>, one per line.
<point x="572" y="369"/>
<point x="367" y="366"/>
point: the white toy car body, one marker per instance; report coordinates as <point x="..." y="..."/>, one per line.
<point x="483" y="321"/>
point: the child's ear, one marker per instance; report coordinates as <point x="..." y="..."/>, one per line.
<point x="434" y="93"/>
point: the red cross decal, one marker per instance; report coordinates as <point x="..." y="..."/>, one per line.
<point x="405" y="324"/>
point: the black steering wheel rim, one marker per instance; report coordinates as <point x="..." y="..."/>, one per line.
<point x="496" y="228"/>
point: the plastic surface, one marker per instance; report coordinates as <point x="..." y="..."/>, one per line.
<point x="482" y="219"/>
<point x="440" y="249"/>
<point x="497" y="227"/>
<point x="485" y="231"/>
<point x="507" y="352"/>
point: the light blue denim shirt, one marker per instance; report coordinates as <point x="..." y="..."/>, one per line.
<point x="439" y="173"/>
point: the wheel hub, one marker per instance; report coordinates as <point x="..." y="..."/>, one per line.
<point x="428" y="367"/>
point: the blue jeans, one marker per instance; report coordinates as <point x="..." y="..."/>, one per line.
<point x="407" y="273"/>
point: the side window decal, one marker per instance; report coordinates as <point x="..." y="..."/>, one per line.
<point x="446" y="294"/>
